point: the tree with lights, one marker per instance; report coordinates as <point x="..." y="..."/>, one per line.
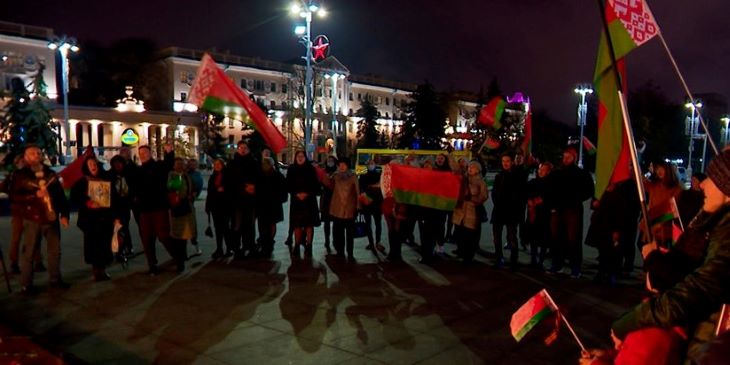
<point x="26" y="119"/>
<point x="367" y="133"/>
<point x="424" y="124"/>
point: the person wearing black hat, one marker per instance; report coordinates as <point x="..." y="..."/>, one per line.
<point x="695" y="301"/>
<point x="569" y="188"/>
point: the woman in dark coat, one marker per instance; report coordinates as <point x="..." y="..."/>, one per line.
<point x="121" y="182"/>
<point x="217" y="205"/>
<point x="94" y="197"/>
<point x="303" y="184"/>
<point x="371" y="199"/>
<point x="271" y="194"/>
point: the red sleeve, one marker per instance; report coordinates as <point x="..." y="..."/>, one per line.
<point x="650" y="346"/>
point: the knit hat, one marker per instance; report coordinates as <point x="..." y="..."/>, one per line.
<point x="719" y="171"/>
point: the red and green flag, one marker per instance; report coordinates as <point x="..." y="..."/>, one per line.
<point x="491" y="143"/>
<point x="630" y="25"/>
<point x="589" y="147"/>
<point x="424" y="187"/>
<point x="491" y="114"/>
<point x="537" y="308"/>
<point x="213" y="91"/>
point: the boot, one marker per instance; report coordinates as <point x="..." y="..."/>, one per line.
<point x="308" y="250"/>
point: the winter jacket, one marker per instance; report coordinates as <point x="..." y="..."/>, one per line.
<point x="570" y="187"/>
<point x="474" y="193"/>
<point x="695" y="301"/>
<point x="88" y="217"/>
<point x="509" y="196"/>
<point x="150" y="184"/>
<point x="217" y="199"/>
<point x="345" y="192"/>
<point x="242" y="171"/>
<point x="23" y="190"/>
<point x="370" y="185"/>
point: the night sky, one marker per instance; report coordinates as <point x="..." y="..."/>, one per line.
<point x="541" y="47"/>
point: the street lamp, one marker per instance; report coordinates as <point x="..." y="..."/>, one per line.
<point x="63" y="45"/>
<point x="726" y="130"/>
<point x="692" y="130"/>
<point x="305" y="9"/>
<point x="335" y="125"/>
<point x="582" y="111"/>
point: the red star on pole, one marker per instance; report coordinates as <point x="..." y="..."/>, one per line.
<point x="320" y="49"/>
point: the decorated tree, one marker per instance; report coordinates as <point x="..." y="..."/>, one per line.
<point x="213" y="143"/>
<point x="425" y="120"/>
<point x="27" y="118"/>
<point x="367" y="133"/>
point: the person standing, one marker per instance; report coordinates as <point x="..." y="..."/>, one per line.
<point x="270" y="196"/>
<point x="343" y="208"/>
<point x="121" y="186"/>
<point x="537" y="225"/>
<point x="689" y="202"/>
<point x="324" y="202"/>
<point x="569" y="188"/>
<point x="197" y="180"/>
<point x="469" y="211"/>
<point x="661" y="189"/>
<point x="37" y="188"/>
<point x="371" y="199"/>
<point x="151" y="201"/>
<point x="218" y="206"/>
<point x="302" y="184"/>
<point x="243" y="175"/>
<point x="509" y="197"/>
<point x="98" y="213"/>
<point x="181" y="194"/>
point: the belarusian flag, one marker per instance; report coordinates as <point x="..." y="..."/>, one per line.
<point x="213" y="91"/>
<point x="537" y="308"/>
<point x="491" y="114"/>
<point x="424" y="187"/>
<point x="74" y="171"/>
<point x="630" y="25"/>
<point x="589" y="146"/>
<point x="491" y="143"/>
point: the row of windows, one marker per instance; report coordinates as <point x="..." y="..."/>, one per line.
<point x="259" y="85"/>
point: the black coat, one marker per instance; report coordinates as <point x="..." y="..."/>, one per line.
<point x="303" y="179"/>
<point x="366" y="181"/>
<point x="509" y="197"/>
<point x="270" y="195"/>
<point x="217" y="201"/>
<point x="570" y="187"/>
<point x="149" y="185"/>
<point x="23" y="190"/>
<point x="242" y="171"/>
<point x="97" y="224"/>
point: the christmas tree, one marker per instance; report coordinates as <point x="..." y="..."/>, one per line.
<point x="27" y="118"/>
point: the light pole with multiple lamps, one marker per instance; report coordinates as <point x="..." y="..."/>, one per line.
<point x="305" y="9"/>
<point x="63" y="45"/>
<point x="725" y="130"/>
<point x="335" y="125"/>
<point x="692" y="130"/>
<point x="582" y="112"/>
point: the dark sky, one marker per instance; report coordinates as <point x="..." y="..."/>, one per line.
<point x="541" y="47"/>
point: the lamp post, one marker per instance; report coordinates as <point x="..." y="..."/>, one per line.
<point x="63" y="45"/>
<point x="305" y="9"/>
<point x="692" y="130"/>
<point x="726" y="130"/>
<point x="582" y="112"/>
<point x="335" y="125"/>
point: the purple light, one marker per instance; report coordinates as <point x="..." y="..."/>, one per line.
<point x="518" y="97"/>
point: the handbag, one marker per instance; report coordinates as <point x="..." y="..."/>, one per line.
<point x="361" y="228"/>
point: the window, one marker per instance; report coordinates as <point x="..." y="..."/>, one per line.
<point x="359" y="96"/>
<point x="273" y="87"/>
<point x="183" y="97"/>
<point x="350" y="97"/>
<point x="283" y="105"/>
<point x="244" y="85"/>
<point x="284" y="88"/>
<point x="350" y="111"/>
<point x="387" y="116"/>
<point x="387" y="101"/>
<point x="230" y="139"/>
<point x="272" y="104"/>
<point x="258" y="85"/>
<point x="330" y="93"/>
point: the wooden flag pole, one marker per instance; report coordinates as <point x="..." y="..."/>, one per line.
<point x="688" y="92"/>
<point x="627" y="125"/>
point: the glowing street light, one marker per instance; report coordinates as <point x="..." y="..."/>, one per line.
<point x="305" y="9"/>
<point x="582" y="112"/>
<point x="63" y="45"/>
<point x="692" y="130"/>
<point x="335" y="125"/>
<point x="726" y="130"/>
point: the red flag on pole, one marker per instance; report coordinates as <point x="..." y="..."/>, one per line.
<point x="213" y="91"/>
<point x="73" y="171"/>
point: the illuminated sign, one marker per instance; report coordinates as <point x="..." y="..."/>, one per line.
<point x="130" y="137"/>
<point x="320" y="48"/>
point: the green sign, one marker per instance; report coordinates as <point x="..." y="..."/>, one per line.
<point x="130" y="137"/>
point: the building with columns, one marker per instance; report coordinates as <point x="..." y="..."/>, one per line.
<point x="338" y="95"/>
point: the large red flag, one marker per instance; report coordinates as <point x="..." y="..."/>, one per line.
<point x="73" y="171"/>
<point x="213" y="91"/>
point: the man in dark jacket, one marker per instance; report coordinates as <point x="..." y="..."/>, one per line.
<point x="371" y="201"/>
<point x="151" y="201"/>
<point x="37" y="189"/>
<point x="570" y="187"/>
<point x="509" y="198"/>
<point x="242" y="177"/>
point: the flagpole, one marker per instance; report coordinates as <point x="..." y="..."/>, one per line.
<point x="572" y="331"/>
<point x="627" y="124"/>
<point x="689" y="93"/>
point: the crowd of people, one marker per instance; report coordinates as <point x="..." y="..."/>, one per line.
<point x="542" y="216"/>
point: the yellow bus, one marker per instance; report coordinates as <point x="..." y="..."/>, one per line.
<point x="384" y="156"/>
